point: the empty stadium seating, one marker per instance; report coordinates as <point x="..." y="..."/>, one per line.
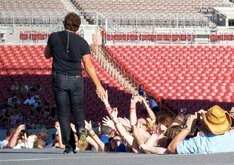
<point x="150" y="12"/>
<point x="31" y="12"/>
<point x="181" y="72"/>
<point x="217" y="37"/>
<point x="150" y="37"/>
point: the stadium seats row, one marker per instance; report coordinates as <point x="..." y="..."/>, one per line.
<point x="31" y="12"/>
<point x="180" y="72"/>
<point x="174" y="37"/>
<point x="151" y="13"/>
<point x="216" y="37"/>
<point x="28" y="35"/>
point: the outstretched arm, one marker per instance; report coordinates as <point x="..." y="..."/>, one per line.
<point x="133" y="115"/>
<point x="181" y="136"/>
<point x="149" y="110"/>
<point x="92" y="142"/>
<point x="150" y="145"/>
<point x="13" y="140"/>
<point x="58" y="131"/>
<point x="92" y="134"/>
<point x="120" y="128"/>
<point x="153" y="149"/>
<point x="92" y="74"/>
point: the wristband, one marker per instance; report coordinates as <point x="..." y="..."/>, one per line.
<point x="132" y="109"/>
<point x="116" y="121"/>
<point x="109" y="109"/>
<point x="92" y="134"/>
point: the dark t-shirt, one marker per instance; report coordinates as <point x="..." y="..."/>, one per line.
<point x="68" y="49"/>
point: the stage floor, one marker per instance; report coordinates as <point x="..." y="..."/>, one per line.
<point x="55" y="157"/>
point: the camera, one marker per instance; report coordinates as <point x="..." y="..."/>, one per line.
<point x="198" y="121"/>
<point x="22" y="133"/>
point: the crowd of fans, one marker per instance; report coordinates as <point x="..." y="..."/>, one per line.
<point x="156" y="133"/>
<point x="24" y="106"/>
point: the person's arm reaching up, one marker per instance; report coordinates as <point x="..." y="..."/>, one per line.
<point x="181" y="136"/>
<point x="133" y="115"/>
<point x="92" y="134"/>
<point x="149" y="110"/>
<point x="14" y="139"/>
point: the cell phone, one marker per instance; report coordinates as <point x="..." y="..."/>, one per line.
<point x="198" y="121"/>
<point x="184" y="110"/>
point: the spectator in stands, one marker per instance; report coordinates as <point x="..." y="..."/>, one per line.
<point x="24" y="88"/>
<point x="15" y="87"/>
<point x="14" y="117"/>
<point x="13" y="101"/>
<point x="3" y="115"/>
<point x="68" y="50"/>
<point x="141" y="90"/>
<point x="30" y="100"/>
<point x="33" y="101"/>
<point x="215" y="125"/>
<point x="33" y="87"/>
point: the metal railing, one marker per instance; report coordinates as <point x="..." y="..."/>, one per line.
<point x="107" y="61"/>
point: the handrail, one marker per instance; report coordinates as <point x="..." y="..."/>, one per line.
<point x="130" y="77"/>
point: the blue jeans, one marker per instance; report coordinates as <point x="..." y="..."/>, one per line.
<point x="68" y="92"/>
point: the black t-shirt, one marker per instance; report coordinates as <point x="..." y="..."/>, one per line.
<point x="67" y="49"/>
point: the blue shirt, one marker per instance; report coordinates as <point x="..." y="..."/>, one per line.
<point x="152" y="103"/>
<point x="141" y="92"/>
<point x="207" y="144"/>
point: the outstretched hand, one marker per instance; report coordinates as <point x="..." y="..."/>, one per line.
<point x="73" y="127"/>
<point x="114" y="113"/>
<point x="201" y="111"/>
<point x="88" y="125"/>
<point x="104" y="97"/>
<point x="108" y="122"/>
<point x="135" y="99"/>
<point x="57" y="125"/>
<point x="101" y="92"/>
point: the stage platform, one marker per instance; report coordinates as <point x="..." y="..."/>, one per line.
<point x="55" y="157"/>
